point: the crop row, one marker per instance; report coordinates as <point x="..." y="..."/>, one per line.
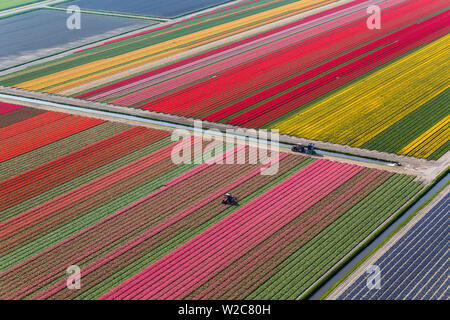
<point x="198" y="213"/>
<point x="121" y="227"/>
<point x="292" y="72"/>
<point x="184" y="236"/>
<point x="430" y="141"/>
<point x="412" y="126"/>
<point x="304" y="52"/>
<point x="58" y="149"/>
<point x="8" y="107"/>
<point x="80" y="75"/>
<point x="236" y="282"/>
<point x="273" y="43"/>
<point x="303" y="268"/>
<point x="89" y="218"/>
<point x="75" y="164"/>
<point x="49" y="216"/>
<point x="414" y="267"/>
<point x="309" y="78"/>
<point x="229" y="55"/>
<point x="343" y="105"/>
<point x="224" y="237"/>
<point x="48" y="128"/>
<point x="88" y="242"/>
<point x="319" y="121"/>
<point x="140" y="40"/>
<point x="386" y="48"/>
<point x="197" y="255"/>
<point x="19" y="114"/>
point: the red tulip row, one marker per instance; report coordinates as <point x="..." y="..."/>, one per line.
<point x="251" y="49"/>
<point x="18" y="115"/>
<point x="400" y="43"/>
<point x="41" y="122"/>
<point x="49" y="127"/>
<point x="41" y="220"/>
<point x="191" y="216"/>
<point x="406" y="36"/>
<point x="236" y="281"/>
<point x="249" y="78"/>
<point x="54" y="173"/>
<point x="96" y="94"/>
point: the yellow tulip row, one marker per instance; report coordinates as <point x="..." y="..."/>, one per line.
<point x="79" y="75"/>
<point x="430" y="141"/>
<point x="361" y="111"/>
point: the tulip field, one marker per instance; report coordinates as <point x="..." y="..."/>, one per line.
<point x="149" y="46"/>
<point x="51" y="36"/>
<point x="109" y="190"/>
<point x="415" y="266"/>
<point x="108" y="197"/>
<point x="323" y="76"/>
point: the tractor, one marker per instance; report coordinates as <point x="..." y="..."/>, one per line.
<point x="311" y="149"/>
<point x="230" y="200"/>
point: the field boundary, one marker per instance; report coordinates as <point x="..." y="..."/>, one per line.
<point x="113" y="14"/>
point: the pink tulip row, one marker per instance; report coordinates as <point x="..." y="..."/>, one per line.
<point x="200" y="259"/>
<point x="8" y="107"/>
